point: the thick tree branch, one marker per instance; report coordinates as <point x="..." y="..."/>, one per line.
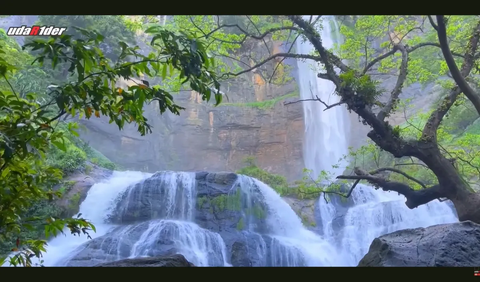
<point x="430" y="129"/>
<point x="402" y="76"/>
<point x="314" y="38"/>
<point x="458" y="76"/>
<point x="434" y="25"/>
<point x="414" y="198"/>
<point x="382" y="134"/>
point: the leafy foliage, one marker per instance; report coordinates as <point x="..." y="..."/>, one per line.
<point x="29" y="128"/>
<point x="277" y="182"/>
<point x="306" y="188"/>
<point x="113" y="28"/>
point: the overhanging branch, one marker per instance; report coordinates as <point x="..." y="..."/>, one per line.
<point x="414" y="198"/>
<point x="285" y="55"/>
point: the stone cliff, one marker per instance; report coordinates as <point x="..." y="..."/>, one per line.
<point x="253" y="121"/>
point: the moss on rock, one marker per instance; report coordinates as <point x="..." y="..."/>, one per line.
<point x="228" y="202"/>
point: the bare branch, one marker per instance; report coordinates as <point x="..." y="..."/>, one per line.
<point x="283" y="59"/>
<point x="258" y="30"/>
<point x="399" y="172"/>
<point x="458" y="76"/>
<point x="321" y="190"/>
<point x="398" y="86"/>
<point x="246" y="33"/>
<point x="409" y="50"/>
<point x="286" y="55"/>
<point x="414" y="198"/>
<point x="317" y="99"/>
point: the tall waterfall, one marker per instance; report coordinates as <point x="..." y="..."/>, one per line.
<point x="369" y="213"/>
<point x="326" y="132"/>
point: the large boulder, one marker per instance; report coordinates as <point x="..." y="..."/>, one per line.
<point x="166" y="261"/>
<point x="456" y="244"/>
<point x="177" y="212"/>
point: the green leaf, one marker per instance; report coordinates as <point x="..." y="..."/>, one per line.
<point x="60" y="145"/>
<point x="164" y="72"/>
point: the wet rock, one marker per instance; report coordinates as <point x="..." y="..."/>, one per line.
<point x="212" y="219"/>
<point x="305" y="209"/>
<point x="76" y="186"/>
<point x="165" y="261"/>
<point x="447" y="245"/>
<point x="154" y="198"/>
<point x="240" y="255"/>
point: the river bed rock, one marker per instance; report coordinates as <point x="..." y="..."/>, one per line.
<point x="176" y="260"/>
<point x="445" y="245"/>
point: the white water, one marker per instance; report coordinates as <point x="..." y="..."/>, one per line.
<point x="95" y="207"/>
<point x="376" y="213"/>
<point x="326" y="132"/>
<point x="289" y="242"/>
<point x="326" y="140"/>
<point x="286" y="242"/>
<point x="292" y="241"/>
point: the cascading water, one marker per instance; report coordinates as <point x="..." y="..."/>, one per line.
<point x="176" y="212"/>
<point x="375" y="213"/>
<point x="326" y="132"/>
<point x="370" y="213"/>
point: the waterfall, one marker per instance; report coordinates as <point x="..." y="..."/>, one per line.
<point x="326" y="132"/>
<point x="369" y="213"/>
<point x="203" y="216"/>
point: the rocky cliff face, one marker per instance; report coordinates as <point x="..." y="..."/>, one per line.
<point x="253" y="121"/>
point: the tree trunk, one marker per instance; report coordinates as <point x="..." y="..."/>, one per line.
<point x="451" y="183"/>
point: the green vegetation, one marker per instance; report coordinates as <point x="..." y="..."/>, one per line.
<point x="36" y="148"/>
<point x="228" y="202"/>
<point x="458" y="137"/>
<point x="264" y="105"/>
<point x="76" y="156"/>
<point x="277" y="182"/>
<point x="240" y="224"/>
<point x="257" y="211"/>
<point x="307" y="222"/>
<point x="306" y="188"/>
